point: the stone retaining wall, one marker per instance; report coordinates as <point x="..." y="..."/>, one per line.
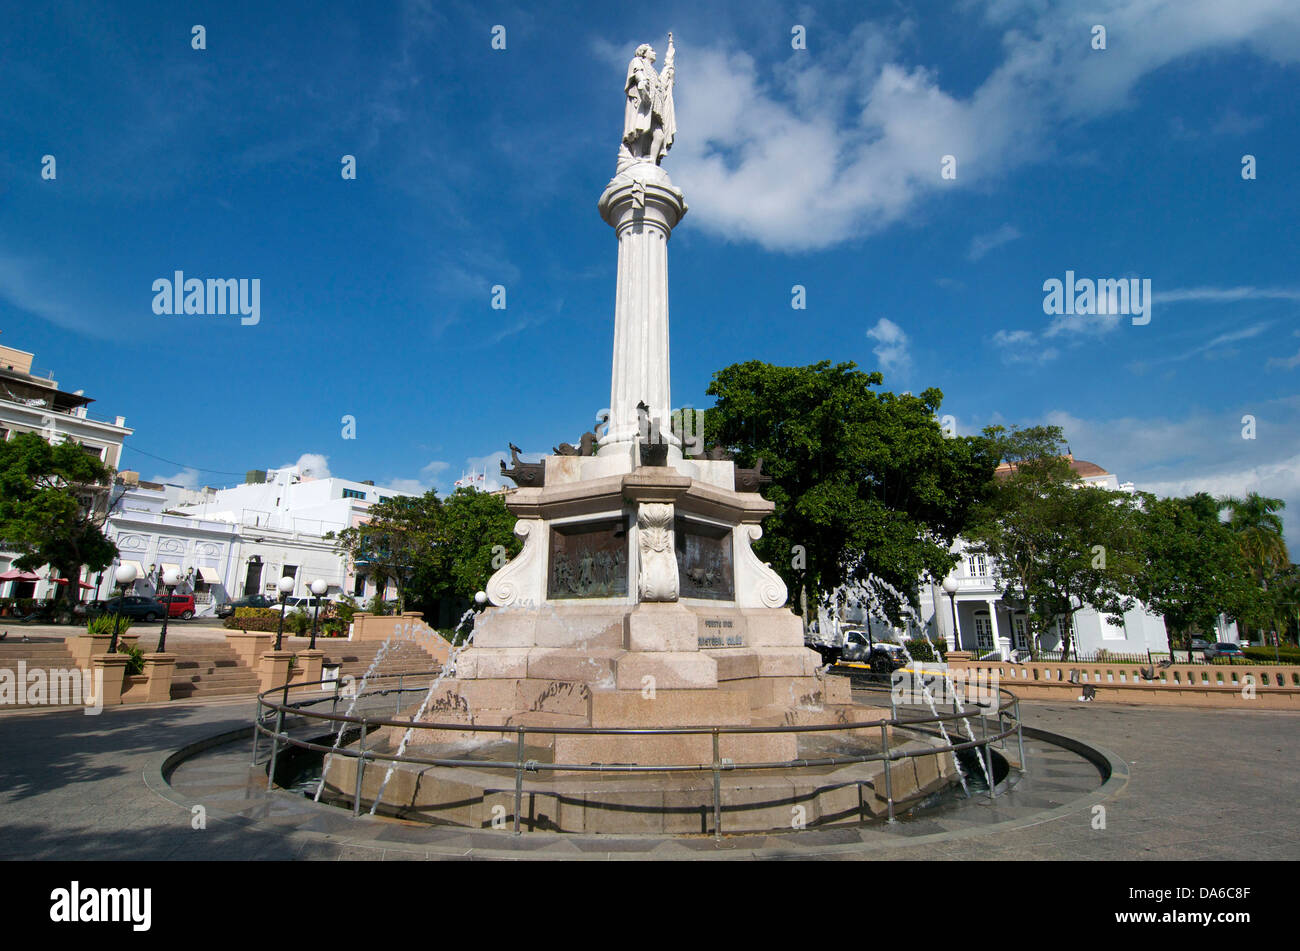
<point x="1244" y="686"/>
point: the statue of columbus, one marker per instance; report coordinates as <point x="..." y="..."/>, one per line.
<point x="649" y="121"/>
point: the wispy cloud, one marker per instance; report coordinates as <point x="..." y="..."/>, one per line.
<point x="982" y="244"/>
<point x="1023" y="346"/>
<point x="1225" y="294"/>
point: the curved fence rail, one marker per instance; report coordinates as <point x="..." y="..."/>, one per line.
<point x="274" y="708"/>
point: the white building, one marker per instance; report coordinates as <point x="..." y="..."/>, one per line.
<point x="239" y="541"/>
<point x="33" y="403"/>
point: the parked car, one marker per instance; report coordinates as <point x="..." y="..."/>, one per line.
<point x="249" y="601"/>
<point x="1199" y="644"/>
<point x="179" y="605"/>
<point x="859" y="647"/>
<point x="48" y="611"/>
<point x="1224" y="649"/>
<point x="133" y="606"/>
<point x="306" y="604"/>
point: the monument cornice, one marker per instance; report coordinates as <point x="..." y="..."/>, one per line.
<point x="647" y="484"/>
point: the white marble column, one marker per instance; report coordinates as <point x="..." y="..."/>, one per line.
<point x="643" y="207"/>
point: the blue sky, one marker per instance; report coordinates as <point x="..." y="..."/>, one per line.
<point x="818" y="167"/>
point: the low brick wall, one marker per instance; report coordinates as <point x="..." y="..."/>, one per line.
<point x="1252" y="686"/>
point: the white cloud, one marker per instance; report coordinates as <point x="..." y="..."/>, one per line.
<point x="1220" y="295"/>
<point x="1204" y="452"/>
<point x="429" y="479"/>
<point x="1023" y="346"/>
<point x="891" y="349"/>
<point x="187" y="478"/>
<point x="313" y="465"/>
<point x="982" y="244"/>
<point x="864" y="132"/>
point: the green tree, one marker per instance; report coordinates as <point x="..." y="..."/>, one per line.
<point x="867" y="489"/>
<point x="53" y="507"/>
<point x="1058" y="545"/>
<point x="475" y="537"/>
<point x="389" y="545"/>
<point x="1194" y="568"/>
<point x="433" y="548"/>
<point x="1256" y="522"/>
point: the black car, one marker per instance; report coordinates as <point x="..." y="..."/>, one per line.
<point x="132" y="605"/>
<point x="250" y="601"/>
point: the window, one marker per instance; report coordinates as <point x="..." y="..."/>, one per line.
<point x="977" y="566"/>
<point x="290" y="571"/>
<point x="353" y="494"/>
<point x="96" y="451"/>
<point x="1020" y="632"/>
<point x="359" y="587"/>
<point x="983" y="632"/>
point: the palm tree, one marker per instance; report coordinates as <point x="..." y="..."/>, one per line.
<point x="1256" y="522"/>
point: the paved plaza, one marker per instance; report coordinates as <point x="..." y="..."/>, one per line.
<point x="1200" y="785"/>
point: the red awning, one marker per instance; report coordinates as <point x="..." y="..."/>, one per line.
<point x="13" y="574"/>
<point x="80" y="584"/>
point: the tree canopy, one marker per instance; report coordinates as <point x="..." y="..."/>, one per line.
<point x="1194" y="569"/>
<point x="1058" y="545"/>
<point x="433" y="548"/>
<point x="50" y="507"/>
<point x="868" y="489"/>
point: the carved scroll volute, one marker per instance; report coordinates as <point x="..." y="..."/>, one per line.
<point x="518" y="583"/>
<point x="657" y="580"/>
<point x="757" y="585"/>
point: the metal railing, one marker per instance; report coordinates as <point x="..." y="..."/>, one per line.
<point x="272" y="713"/>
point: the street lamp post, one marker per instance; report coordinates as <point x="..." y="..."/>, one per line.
<point x="950" y="589"/>
<point x="285" y="585"/>
<point x="170" y="580"/>
<point x="318" y="588"/>
<point x="125" y="576"/>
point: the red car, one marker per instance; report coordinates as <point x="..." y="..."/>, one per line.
<point x="179" y="605"/>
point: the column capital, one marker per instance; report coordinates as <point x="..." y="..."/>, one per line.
<point x="645" y="195"/>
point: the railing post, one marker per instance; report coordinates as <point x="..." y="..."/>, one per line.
<point x="717" y="788"/>
<point x="397" y="708"/>
<point x="257" y="733"/>
<point x="338" y="679"/>
<point x="988" y="765"/>
<point x="889" y="779"/>
<point x="275" y="747"/>
<point x="1020" y="740"/>
<point x="361" y="769"/>
<point x="519" y="779"/>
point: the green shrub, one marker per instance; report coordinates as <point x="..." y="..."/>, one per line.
<point x="134" y="657"/>
<point x="1287" y="654"/>
<point x="253" y="619"/>
<point x="345" y="609"/>
<point x="102" y="624"/>
<point x="921" y="650"/>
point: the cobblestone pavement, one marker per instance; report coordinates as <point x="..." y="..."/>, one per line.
<point x="1203" y="784"/>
